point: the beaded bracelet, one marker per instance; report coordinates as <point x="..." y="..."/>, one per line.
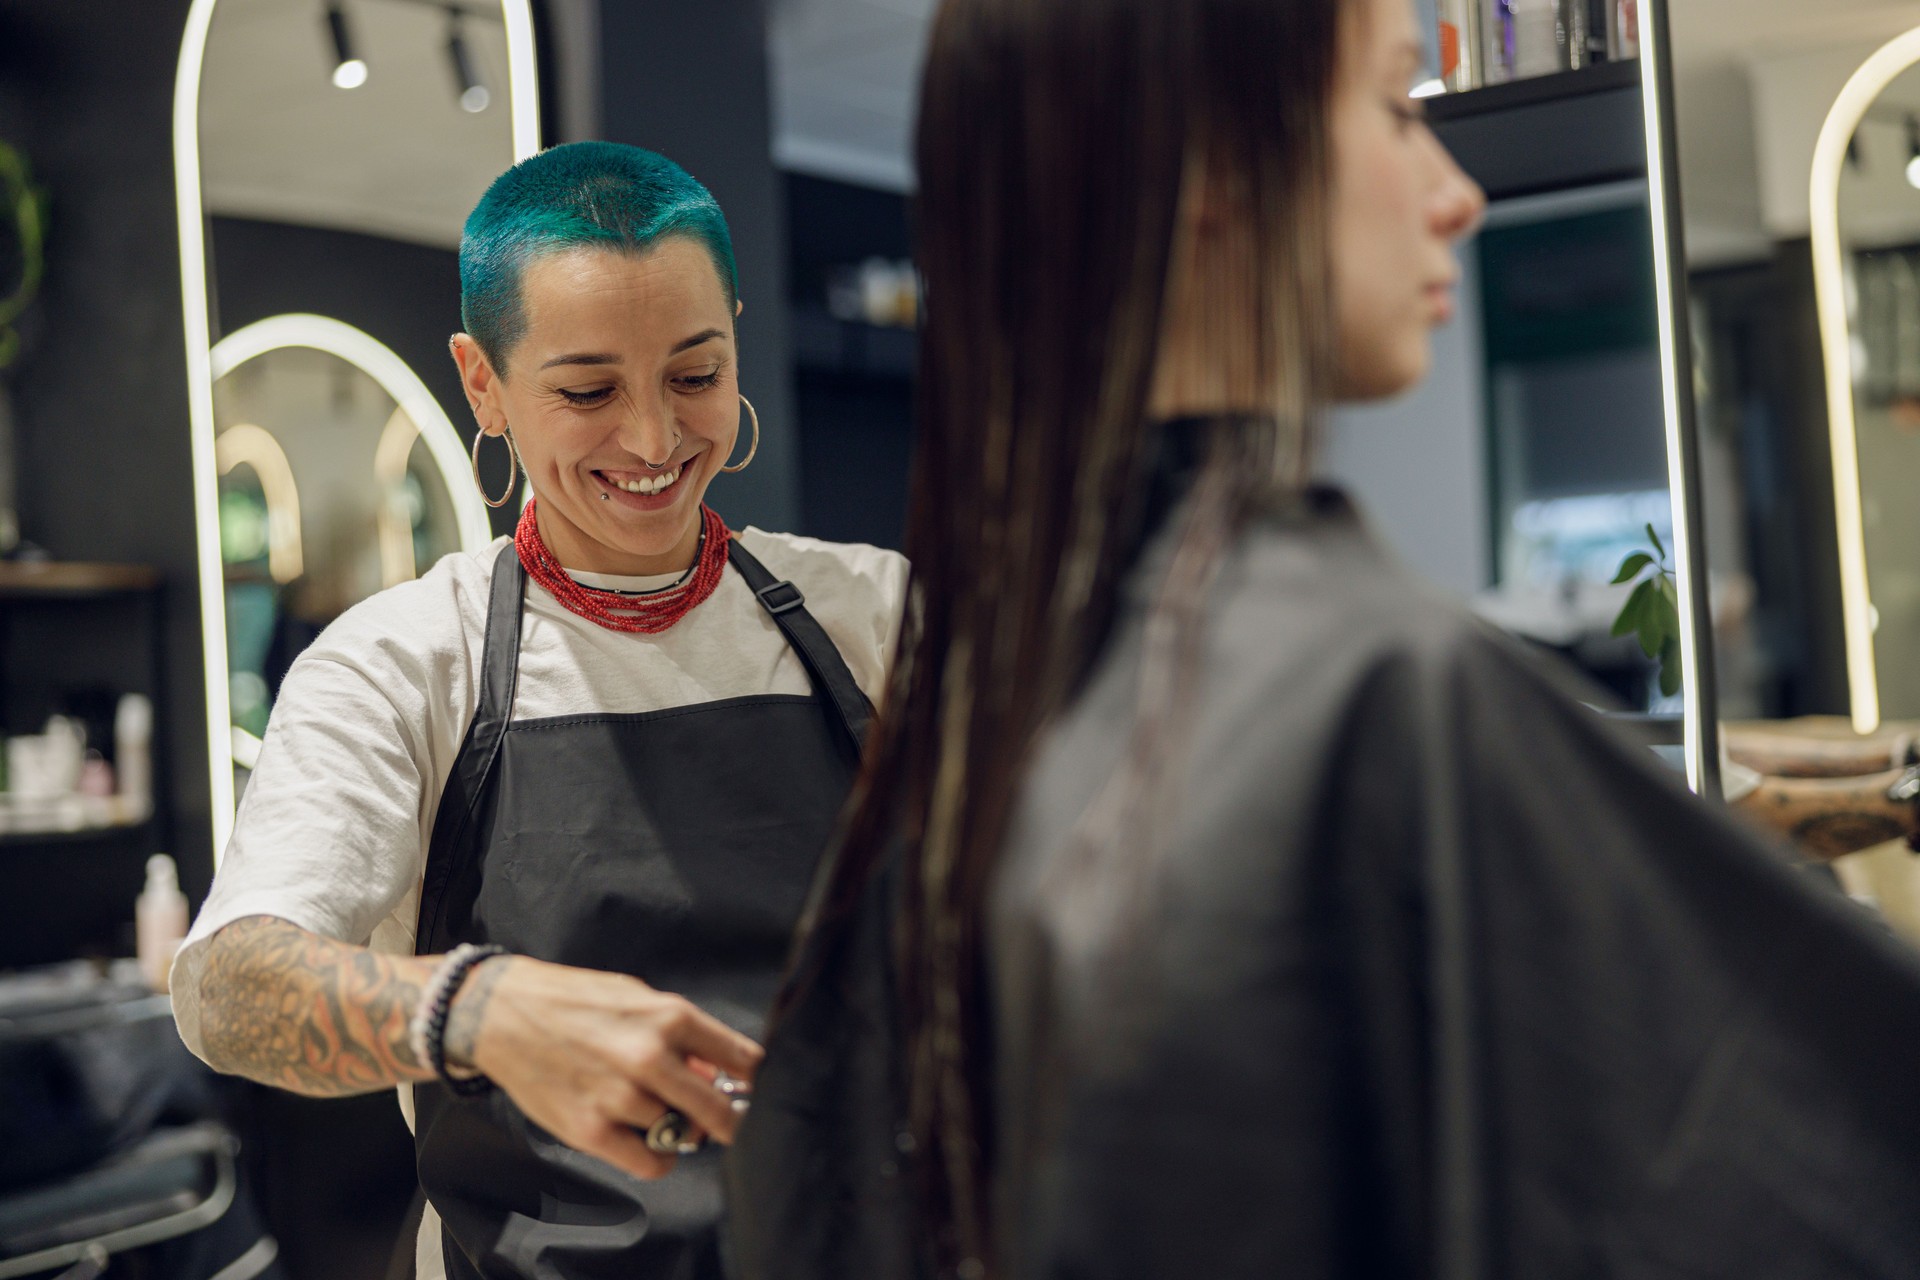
<point x="428" y="1030"/>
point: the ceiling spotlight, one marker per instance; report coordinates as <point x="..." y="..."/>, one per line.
<point x="473" y="94"/>
<point x="349" y="70"/>
<point x="1913" y="151"/>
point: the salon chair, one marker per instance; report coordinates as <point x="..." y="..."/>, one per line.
<point x="177" y="1181"/>
<point x="110" y="1140"/>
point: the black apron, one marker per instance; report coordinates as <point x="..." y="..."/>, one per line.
<point x="676" y="846"/>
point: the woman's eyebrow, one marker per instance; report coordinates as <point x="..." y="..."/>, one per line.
<point x="582" y="358"/>
<point x="598" y="358"/>
<point x="688" y="344"/>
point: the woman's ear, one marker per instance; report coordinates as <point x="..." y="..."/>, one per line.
<point x="481" y="383"/>
<point x="739" y="305"/>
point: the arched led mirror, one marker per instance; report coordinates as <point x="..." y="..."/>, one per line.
<point x="1795" y="129"/>
<point x="1864" y="208"/>
<point x="327" y="153"/>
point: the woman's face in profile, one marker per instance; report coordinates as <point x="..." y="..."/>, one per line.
<point x="1399" y="205"/>
<point x="626" y="361"/>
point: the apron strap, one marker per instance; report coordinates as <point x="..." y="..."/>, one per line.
<point x="788" y="608"/>
<point x="499" y="676"/>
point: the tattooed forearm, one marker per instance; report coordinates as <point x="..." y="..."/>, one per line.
<point x="298" y="1011"/>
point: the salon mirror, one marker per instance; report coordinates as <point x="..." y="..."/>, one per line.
<point x="1791" y="134"/>
<point x="1865" y="214"/>
<point x="1553" y="443"/>
<point x="327" y="153"/>
<point x="1755" y="82"/>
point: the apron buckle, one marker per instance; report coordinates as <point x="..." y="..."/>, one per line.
<point x="777" y="603"/>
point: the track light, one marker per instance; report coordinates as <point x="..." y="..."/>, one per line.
<point x="1913" y="151"/>
<point x="349" y="70"/>
<point x="473" y="94"/>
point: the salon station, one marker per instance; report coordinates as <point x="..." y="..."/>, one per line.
<point x="1671" y="439"/>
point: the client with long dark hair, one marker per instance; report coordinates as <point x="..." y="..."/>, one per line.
<point x="1216" y="901"/>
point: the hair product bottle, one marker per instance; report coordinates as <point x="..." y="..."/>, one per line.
<point x="1575" y="42"/>
<point x="1496" y="41"/>
<point x="159" y="920"/>
<point x="1623" y="30"/>
<point x="133" y="754"/>
<point x="1599" y="19"/>
<point x="1535" y="43"/>
<point x="1460" y="44"/>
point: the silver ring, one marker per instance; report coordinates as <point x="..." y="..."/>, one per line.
<point x="739" y="1093"/>
<point x="669" y="1136"/>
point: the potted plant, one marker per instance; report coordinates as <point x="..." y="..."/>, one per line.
<point x="23" y="264"/>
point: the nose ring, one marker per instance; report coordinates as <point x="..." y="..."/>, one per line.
<point x="662" y="466"/>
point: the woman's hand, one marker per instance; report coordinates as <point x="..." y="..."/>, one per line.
<point x="595" y="1058"/>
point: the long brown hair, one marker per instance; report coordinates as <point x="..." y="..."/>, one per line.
<point x="1060" y="143"/>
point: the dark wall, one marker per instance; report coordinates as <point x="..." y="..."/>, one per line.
<point x="691" y="81"/>
<point x="1769" y="398"/>
<point x="100" y="393"/>
<point x="853" y="383"/>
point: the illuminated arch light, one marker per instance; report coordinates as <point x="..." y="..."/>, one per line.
<point x="377" y="361"/>
<point x="390" y="476"/>
<point x="1830" y="281"/>
<point x="1653" y="30"/>
<point x="247" y="445"/>
<point x="524" y="111"/>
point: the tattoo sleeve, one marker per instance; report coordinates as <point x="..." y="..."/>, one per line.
<point x="292" y="1009"/>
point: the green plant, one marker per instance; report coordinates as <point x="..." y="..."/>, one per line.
<point x="1652" y="612"/>
<point x="24" y="206"/>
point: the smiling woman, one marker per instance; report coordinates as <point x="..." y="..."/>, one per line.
<point x="626" y="393"/>
<point x="611" y="748"/>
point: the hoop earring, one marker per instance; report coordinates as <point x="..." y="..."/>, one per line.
<point x="752" y="449"/>
<point x="513" y="481"/>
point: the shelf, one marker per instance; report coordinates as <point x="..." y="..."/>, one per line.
<point x="73" y="835"/>
<point x="1600" y="78"/>
<point x="1555" y="133"/>
<point x="46" y="579"/>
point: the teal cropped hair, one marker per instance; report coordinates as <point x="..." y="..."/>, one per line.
<point x="582" y="193"/>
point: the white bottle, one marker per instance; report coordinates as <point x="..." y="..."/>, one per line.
<point x="1537" y="36"/>
<point x="159" y="920"/>
<point x="133" y="754"/>
<point x="1459" y="38"/>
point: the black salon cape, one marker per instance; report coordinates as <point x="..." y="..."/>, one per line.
<point x="1435" y="976"/>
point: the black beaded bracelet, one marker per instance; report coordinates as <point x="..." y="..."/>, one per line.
<point x="464" y="960"/>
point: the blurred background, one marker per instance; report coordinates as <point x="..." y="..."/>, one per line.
<point x="237" y="223"/>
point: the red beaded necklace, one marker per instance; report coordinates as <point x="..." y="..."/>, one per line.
<point x="651" y="613"/>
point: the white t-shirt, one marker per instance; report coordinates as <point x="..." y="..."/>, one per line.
<point x="332" y="832"/>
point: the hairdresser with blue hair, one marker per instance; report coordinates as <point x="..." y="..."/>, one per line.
<point x="528" y="837"/>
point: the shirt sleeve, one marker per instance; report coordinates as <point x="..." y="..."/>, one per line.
<point x="1653" y="1037"/>
<point x="332" y="831"/>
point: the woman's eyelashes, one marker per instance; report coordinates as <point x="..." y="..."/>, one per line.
<point x="592" y="397"/>
<point x="699" y="381"/>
